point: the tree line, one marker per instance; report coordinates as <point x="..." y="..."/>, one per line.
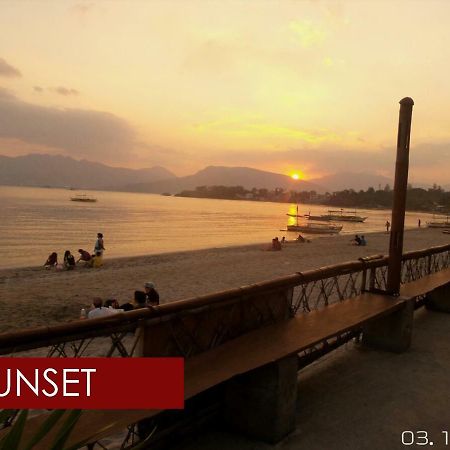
<point x="417" y="199"/>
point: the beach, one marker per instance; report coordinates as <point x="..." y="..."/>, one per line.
<point x="34" y="296"/>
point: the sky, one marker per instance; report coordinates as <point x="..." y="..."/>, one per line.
<point x="292" y="86"/>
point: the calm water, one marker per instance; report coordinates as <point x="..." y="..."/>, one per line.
<point x="36" y="221"/>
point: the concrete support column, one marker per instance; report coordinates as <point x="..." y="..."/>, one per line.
<point x="439" y="299"/>
<point x="262" y="403"/>
<point x="392" y="332"/>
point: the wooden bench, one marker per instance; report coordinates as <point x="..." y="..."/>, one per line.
<point x="264" y="360"/>
<point x="426" y="284"/>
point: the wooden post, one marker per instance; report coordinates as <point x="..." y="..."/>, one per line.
<point x="399" y="202"/>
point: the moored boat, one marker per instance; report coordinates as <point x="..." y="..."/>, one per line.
<point x="338" y="215"/>
<point x="313" y="228"/>
<point x="316" y="228"/>
<point x="438" y="224"/>
<point x="439" y="221"/>
<point x="83" y="198"/>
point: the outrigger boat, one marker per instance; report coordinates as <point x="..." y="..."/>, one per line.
<point x="338" y="215"/>
<point x="313" y="228"/>
<point x="83" y="198"/>
<point x="316" y="228"/>
<point x="445" y="223"/>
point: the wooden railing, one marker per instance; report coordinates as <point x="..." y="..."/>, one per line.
<point x="194" y="325"/>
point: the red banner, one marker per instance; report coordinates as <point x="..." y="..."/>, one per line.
<point x="91" y="383"/>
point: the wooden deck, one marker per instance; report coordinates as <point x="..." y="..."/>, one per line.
<point x="256" y="349"/>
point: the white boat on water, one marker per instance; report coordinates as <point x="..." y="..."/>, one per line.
<point x="313" y="228"/>
<point x="83" y="198"/>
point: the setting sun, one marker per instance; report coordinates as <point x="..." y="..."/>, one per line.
<point x="295" y="176"/>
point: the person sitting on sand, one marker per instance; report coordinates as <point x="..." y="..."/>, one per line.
<point x="98" y="310"/>
<point x="113" y="305"/>
<point x="300" y="238"/>
<point x="140" y="300"/>
<point x="283" y="240"/>
<point x="363" y="241"/>
<point x="52" y="260"/>
<point x="85" y="257"/>
<point x="356" y="240"/>
<point x="151" y="294"/>
<point x="69" y="260"/>
<point x="97" y="260"/>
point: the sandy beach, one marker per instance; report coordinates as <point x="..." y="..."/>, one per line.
<point x="34" y="296"/>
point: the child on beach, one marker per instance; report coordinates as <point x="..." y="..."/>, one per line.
<point x="52" y="261"/>
<point x="97" y="260"/>
<point x="85" y="257"/>
<point x="69" y="260"/>
<point x="99" y="244"/>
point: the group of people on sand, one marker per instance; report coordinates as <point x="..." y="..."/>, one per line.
<point x="147" y="298"/>
<point x="277" y="245"/>
<point x="85" y="258"/>
<point x="359" y="240"/>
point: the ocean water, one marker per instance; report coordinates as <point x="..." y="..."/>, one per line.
<point x="37" y="221"/>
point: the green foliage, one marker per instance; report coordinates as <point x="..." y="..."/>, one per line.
<point x="13" y="438"/>
<point x="417" y="199"/>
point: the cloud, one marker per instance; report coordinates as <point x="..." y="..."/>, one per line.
<point x="61" y="90"/>
<point x="6" y="70"/>
<point x="77" y="132"/>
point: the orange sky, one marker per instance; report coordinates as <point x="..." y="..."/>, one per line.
<point x="287" y="86"/>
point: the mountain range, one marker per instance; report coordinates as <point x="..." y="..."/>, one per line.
<point x="64" y="171"/>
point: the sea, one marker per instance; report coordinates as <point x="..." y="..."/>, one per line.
<point x="37" y="221"/>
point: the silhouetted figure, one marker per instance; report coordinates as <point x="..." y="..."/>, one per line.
<point x="151" y="294"/>
<point x="69" y="260"/>
<point x="388" y="226"/>
<point x="52" y="260"/>
<point x="99" y="244"/>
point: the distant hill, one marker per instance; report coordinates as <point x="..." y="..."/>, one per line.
<point x="225" y="176"/>
<point x="351" y="180"/>
<point x="63" y="171"/>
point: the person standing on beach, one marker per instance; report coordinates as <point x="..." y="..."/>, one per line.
<point x="99" y="245"/>
<point x="419" y="223"/>
<point x="388" y="225"/>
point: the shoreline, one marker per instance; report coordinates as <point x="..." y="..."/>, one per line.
<point x="33" y="296"/>
<point x="313" y="237"/>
